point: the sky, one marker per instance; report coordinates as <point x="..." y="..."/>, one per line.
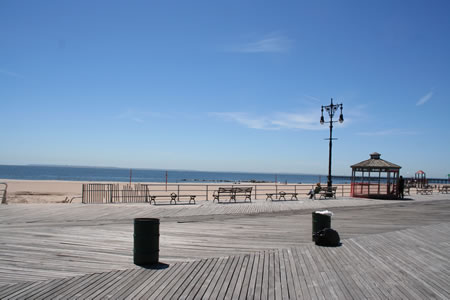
<point x="225" y="85"/>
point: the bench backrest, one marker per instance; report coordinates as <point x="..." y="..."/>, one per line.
<point x="235" y="190"/>
<point x="225" y="190"/>
<point x="325" y="189"/>
<point x="245" y="190"/>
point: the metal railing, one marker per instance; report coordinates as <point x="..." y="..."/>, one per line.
<point x="140" y="193"/>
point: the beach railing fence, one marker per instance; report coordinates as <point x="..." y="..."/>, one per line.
<point x="98" y="193"/>
<point x="140" y="193"/>
<point x="3" y="190"/>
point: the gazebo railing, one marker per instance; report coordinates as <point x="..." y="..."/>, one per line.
<point x="365" y="188"/>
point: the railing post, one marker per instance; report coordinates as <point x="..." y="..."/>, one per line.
<point x="255" y="192"/>
<point x="276" y="191"/>
<point x="206" y="192"/>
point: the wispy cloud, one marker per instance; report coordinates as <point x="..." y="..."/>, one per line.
<point x="425" y="99"/>
<point x="311" y="98"/>
<point x="277" y="121"/>
<point x="11" y="74"/>
<point x="272" y="43"/>
<point x="389" y="132"/>
<point x="245" y="119"/>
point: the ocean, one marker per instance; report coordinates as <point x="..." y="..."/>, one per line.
<point x="98" y="174"/>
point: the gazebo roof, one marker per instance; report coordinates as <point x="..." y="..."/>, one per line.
<point x="420" y="172"/>
<point x="375" y="163"/>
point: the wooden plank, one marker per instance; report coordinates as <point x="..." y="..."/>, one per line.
<point x="232" y="278"/>
<point x="169" y="287"/>
<point x="252" y="277"/>
<point x="153" y="281"/>
<point x="189" y="280"/>
<point x="224" y="280"/>
<point x="209" y="283"/>
<point x="240" y="291"/>
<point x="293" y="278"/>
<point x="265" y="276"/>
<point x="200" y="280"/>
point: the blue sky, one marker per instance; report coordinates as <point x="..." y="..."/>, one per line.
<point x="225" y="85"/>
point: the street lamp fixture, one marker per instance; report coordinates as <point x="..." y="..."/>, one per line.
<point x="331" y="110"/>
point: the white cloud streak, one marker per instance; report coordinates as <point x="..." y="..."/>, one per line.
<point x="273" y="43"/>
<point x="308" y="97"/>
<point x="278" y="121"/>
<point x="425" y="99"/>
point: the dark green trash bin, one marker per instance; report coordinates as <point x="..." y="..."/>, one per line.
<point x="320" y="221"/>
<point x="146" y="241"/>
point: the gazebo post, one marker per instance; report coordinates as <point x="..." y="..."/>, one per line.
<point x="352" y="183"/>
<point x="362" y="182"/>
<point x="379" y="181"/>
<point x="389" y="182"/>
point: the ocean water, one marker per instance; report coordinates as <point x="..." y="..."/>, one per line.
<point x="148" y="175"/>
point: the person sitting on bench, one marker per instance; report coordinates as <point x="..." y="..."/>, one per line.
<point x="314" y="191"/>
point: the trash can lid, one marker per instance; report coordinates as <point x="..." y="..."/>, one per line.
<point x="324" y="212"/>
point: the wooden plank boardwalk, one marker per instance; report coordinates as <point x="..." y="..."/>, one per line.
<point x="21" y="213"/>
<point x="412" y="263"/>
<point x="53" y="249"/>
<point x="65" y="244"/>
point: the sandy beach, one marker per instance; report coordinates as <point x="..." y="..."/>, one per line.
<point x="55" y="191"/>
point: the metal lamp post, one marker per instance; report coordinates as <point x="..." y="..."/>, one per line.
<point x="331" y="109"/>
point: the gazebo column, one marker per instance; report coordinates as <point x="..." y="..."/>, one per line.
<point x="396" y="182"/>
<point x="362" y="183"/>
<point x="352" y="183"/>
<point x="388" y="182"/>
<point x="379" y="181"/>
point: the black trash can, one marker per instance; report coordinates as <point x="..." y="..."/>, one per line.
<point x="319" y="222"/>
<point x="146" y="241"/>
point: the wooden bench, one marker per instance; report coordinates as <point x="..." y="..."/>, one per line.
<point x="282" y="196"/>
<point x="191" y="198"/>
<point x="444" y="189"/>
<point x="173" y="198"/>
<point x="326" y="193"/>
<point x="232" y="193"/>
<point x="406" y="190"/>
<point x="424" y="191"/>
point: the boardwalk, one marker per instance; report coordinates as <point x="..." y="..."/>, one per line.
<point x="391" y="250"/>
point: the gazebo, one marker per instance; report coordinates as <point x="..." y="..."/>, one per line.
<point x="420" y="179"/>
<point x="375" y="178"/>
